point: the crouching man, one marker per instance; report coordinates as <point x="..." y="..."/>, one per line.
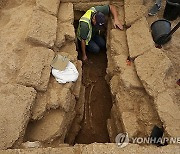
<point x="90" y="24"/>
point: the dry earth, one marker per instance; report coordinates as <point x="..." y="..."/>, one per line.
<point x="34" y="107"/>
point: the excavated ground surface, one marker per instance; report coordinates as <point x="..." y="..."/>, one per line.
<point x="144" y="94"/>
<point x="98" y="102"/>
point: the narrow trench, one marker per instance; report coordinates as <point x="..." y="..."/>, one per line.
<point x="98" y="101"/>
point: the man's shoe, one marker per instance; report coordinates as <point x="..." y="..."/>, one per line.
<point x="153" y="11"/>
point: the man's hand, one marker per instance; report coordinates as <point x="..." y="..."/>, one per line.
<point x="84" y="58"/>
<point x="115" y="16"/>
<point x="83" y="48"/>
<point x="117" y="24"/>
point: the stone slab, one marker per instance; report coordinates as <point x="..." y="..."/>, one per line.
<point x="66" y="13"/>
<point x="139" y="2"/>
<point x="80" y="103"/>
<point x="60" y="96"/>
<point x="39" y="106"/>
<point x="130" y="78"/>
<point x="48" y="128"/>
<point x="78" y="83"/>
<point x="139" y="38"/>
<point x="118" y="43"/>
<point x="84" y="6"/>
<point x="116" y="117"/>
<point x="114" y="84"/>
<point x="110" y="64"/>
<point x="98" y="148"/>
<point x="73" y="132"/>
<point x="74" y="1"/>
<point x="65" y="33"/>
<point x="130" y="122"/>
<point x="42" y="29"/>
<point x="48" y="6"/>
<point x="152" y="68"/>
<point x="111" y="130"/>
<point x="56" y="96"/>
<point x="36" y="68"/>
<point x="120" y="63"/>
<point x="127" y="73"/>
<point x="133" y="13"/>
<point x="124" y="102"/>
<point x="169" y="112"/>
<point x="49" y="150"/>
<point x="69" y="50"/>
<point x="76" y="124"/>
<point x="16" y="102"/>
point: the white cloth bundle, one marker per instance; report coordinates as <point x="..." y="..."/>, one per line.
<point x="69" y="74"/>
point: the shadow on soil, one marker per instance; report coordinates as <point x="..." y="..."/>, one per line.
<point x="98" y="102"/>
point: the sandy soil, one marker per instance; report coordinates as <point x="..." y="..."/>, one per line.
<point x="13" y="24"/>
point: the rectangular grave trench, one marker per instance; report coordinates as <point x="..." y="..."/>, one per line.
<point x="98" y="102"/>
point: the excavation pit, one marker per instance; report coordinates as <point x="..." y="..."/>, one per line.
<point x="110" y="105"/>
<point x="98" y="101"/>
<point x="109" y="97"/>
